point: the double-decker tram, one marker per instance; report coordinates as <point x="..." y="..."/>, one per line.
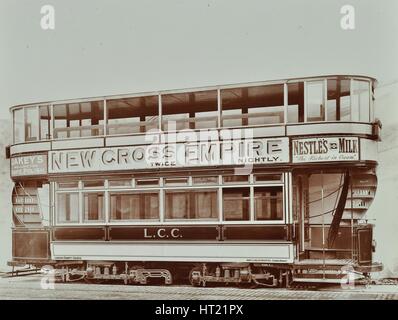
<point x="265" y="183"/>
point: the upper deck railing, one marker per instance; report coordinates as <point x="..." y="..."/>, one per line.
<point x="273" y="103"/>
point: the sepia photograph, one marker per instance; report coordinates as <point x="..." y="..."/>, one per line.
<point x="198" y="150"/>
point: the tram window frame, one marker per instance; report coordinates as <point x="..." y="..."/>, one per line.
<point x="62" y="119"/>
<point x="314" y="94"/>
<point x="45" y="122"/>
<point x="175" y="181"/>
<point x="68" y="185"/>
<point x="31" y="117"/>
<point x="100" y="213"/>
<point x="274" y="216"/>
<point x="235" y="179"/>
<point x="58" y="211"/>
<point x="19" y="125"/>
<point x="295" y="102"/>
<point x="238" y="104"/>
<point x="142" y="213"/>
<point x="205" y="183"/>
<point x="190" y="110"/>
<point x="272" y="178"/>
<point x="338" y="99"/>
<point x="191" y="209"/>
<point x="246" y="207"/>
<point x="360" y="100"/>
<point x="140" y="114"/>
<point x="31" y="124"/>
<point x="93" y="184"/>
<point x="146" y="183"/>
<point x="218" y="213"/>
<point x="117" y="183"/>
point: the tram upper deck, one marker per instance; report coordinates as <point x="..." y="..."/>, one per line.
<point x="308" y="107"/>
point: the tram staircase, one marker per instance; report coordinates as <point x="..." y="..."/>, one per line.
<point x="326" y="265"/>
<point x="26" y="207"/>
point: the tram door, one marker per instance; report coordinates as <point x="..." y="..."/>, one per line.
<point x="316" y="199"/>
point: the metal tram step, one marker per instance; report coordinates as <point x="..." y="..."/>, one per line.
<point x="320" y="263"/>
<point x="325" y="271"/>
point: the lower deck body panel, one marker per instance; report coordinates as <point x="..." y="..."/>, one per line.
<point x="186" y="252"/>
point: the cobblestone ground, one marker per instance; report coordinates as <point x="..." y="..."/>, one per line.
<point x="29" y="287"/>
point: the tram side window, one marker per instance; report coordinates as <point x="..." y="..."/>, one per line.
<point x="315" y="101"/>
<point x="190" y="110"/>
<point x="45" y="122"/>
<point x="93" y="206"/>
<point x="295" y="102"/>
<point x="268" y="203"/>
<point x="74" y="120"/>
<point x="338" y="99"/>
<point x="236" y="204"/>
<point x="253" y="105"/>
<point x="132" y="115"/>
<point x="194" y="204"/>
<point x="360" y="101"/>
<point x="26" y="124"/>
<point x="31" y="124"/>
<point x="134" y="205"/>
<point x="68" y="207"/>
<point x="19" y="119"/>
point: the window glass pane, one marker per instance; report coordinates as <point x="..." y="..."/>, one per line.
<point x="236" y="204"/>
<point x="205" y="180"/>
<point x="204" y="204"/>
<point x="133" y="115"/>
<point x="193" y="204"/>
<point x="93" y="184"/>
<point x="119" y="183"/>
<point x="93" y="206"/>
<point x="236" y="179"/>
<point x="252" y="106"/>
<point x="360" y="100"/>
<point x="31" y="124"/>
<point x="68" y="185"/>
<point x="75" y="120"/>
<point x="176" y="181"/>
<point x="338" y="96"/>
<point x="45" y="122"/>
<point x="333" y="99"/>
<point x="267" y="177"/>
<point x="68" y="207"/>
<point x="19" y="135"/>
<point x="268" y="203"/>
<point x="177" y="205"/>
<point x="295" y="102"/>
<point x="345" y="100"/>
<point x="133" y="205"/>
<point x="189" y="110"/>
<point x="315" y="107"/>
<point x="142" y="183"/>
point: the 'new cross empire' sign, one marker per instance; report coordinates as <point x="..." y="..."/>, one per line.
<point x="236" y="152"/>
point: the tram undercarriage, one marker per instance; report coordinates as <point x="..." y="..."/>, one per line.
<point x="203" y="274"/>
<point x="211" y="274"/>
